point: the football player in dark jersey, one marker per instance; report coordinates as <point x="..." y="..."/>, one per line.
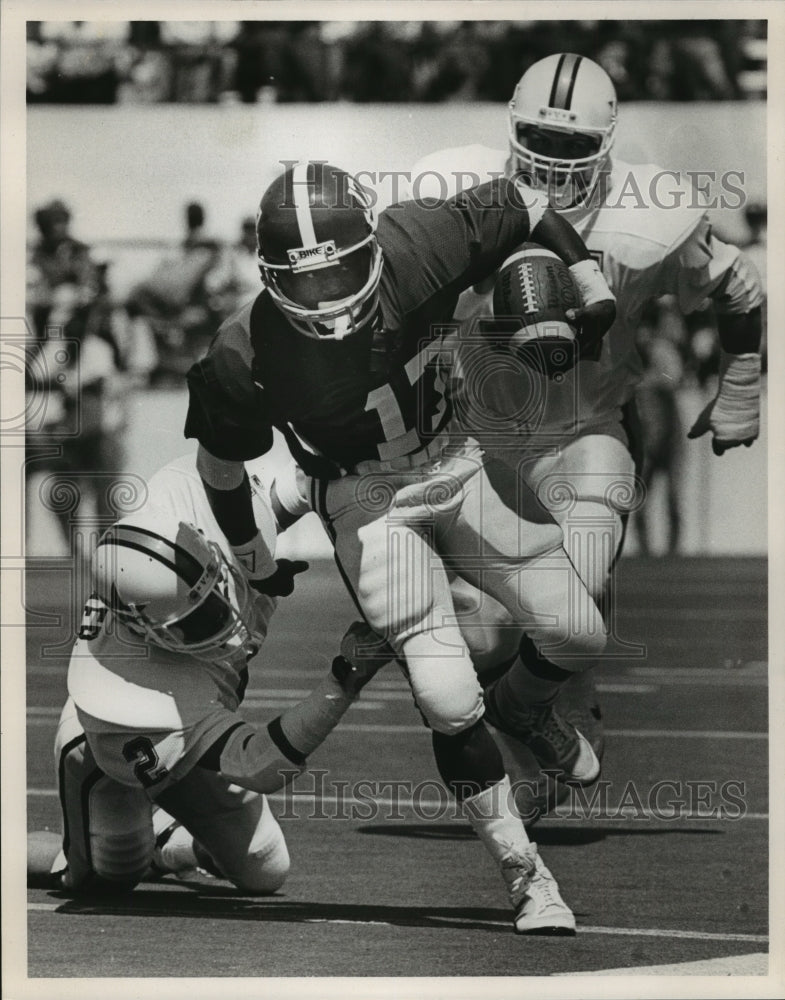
<point x="341" y="352"/>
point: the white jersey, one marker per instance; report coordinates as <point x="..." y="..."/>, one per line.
<point x="150" y="714"/>
<point x="650" y="236"/>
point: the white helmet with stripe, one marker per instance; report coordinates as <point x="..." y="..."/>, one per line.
<point x="317" y="249"/>
<point x="168" y="583"/>
<point x="562" y="119"/>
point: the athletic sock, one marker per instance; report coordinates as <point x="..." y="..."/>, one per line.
<point x="521" y="687"/>
<point x="177" y="854"/>
<point x="495" y="820"/>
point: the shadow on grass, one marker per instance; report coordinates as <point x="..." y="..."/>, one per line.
<point x="548" y="833"/>
<point x="221" y="902"/>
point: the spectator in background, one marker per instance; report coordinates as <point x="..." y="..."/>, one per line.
<point x="236" y="279"/>
<point x="203" y="60"/>
<point x="146" y="66"/>
<point x="378" y="66"/>
<point x="258" y="48"/>
<point x="176" y="301"/>
<point x="75" y="364"/>
<point x="87" y="54"/>
<point x="693" y="61"/>
<point x="41" y="64"/>
<point x="756" y="216"/>
<point x="60" y="258"/>
<point x="199" y="61"/>
<point x="661" y="425"/>
<point x="303" y="64"/>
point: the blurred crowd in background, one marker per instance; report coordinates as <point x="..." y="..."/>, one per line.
<point x="102" y="62"/>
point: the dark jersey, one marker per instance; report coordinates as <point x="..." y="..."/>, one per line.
<point x="260" y="372"/>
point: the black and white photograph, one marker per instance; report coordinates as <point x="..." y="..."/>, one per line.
<point x="388" y="470"/>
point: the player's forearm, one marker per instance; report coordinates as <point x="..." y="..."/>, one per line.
<point x="229" y="494"/>
<point x="556" y="234"/>
<point x="738" y="299"/>
<point x="740" y="333"/>
<point x="228" y="491"/>
<point x="266" y="759"/>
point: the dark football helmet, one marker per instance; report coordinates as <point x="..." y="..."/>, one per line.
<point x="317" y="248"/>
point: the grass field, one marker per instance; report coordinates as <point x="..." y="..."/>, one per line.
<point x="376" y="891"/>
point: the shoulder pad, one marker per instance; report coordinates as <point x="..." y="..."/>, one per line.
<point x="442" y="174"/>
<point x="653" y="211"/>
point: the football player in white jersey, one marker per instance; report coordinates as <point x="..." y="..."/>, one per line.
<point x="650" y="233"/>
<point x="157" y="771"/>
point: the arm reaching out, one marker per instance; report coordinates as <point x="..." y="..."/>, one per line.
<point x="266" y="759"/>
<point x="228" y="491"/>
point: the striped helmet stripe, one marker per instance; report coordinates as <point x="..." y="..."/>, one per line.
<point x="564" y="80"/>
<point x="176" y="558"/>
<point x="302" y="205"/>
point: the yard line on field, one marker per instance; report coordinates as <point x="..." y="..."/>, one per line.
<point x="259" y="694"/>
<point x="218" y="911"/>
<point x="685" y="734"/>
<point x="755" y="667"/>
<point x="309" y="799"/>
<point x="626" y="688"/>
<point x="630" y="676"/>
<point x="41" y="715"/>
<point x="670" y="734"/>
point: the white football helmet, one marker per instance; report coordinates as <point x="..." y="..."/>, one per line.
<point x="164" y="580"/>
<point x="562" y="118"/>
<point x="317" y="250"/>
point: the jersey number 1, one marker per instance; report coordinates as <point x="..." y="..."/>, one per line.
<point x="400" y="439"/>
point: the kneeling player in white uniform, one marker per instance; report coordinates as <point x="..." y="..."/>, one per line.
<point x="157" y="770"/>
<point x="649" y="231"/>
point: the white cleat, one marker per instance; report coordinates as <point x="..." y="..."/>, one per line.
<point x="534" y="894"/>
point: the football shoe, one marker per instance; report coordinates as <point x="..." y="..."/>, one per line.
<point x="534" y="894"/>
<point x="556" y="744"/>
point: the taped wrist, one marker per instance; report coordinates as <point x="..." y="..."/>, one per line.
<point x="736" y="411"/>
<point x="739" y="376"/>
<point x="255" y="558"/>
<point x="590" y="282"/>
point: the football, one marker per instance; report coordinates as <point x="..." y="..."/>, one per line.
<point x="533" y="290"/>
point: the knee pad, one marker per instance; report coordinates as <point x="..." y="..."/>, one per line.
<point x="260" y="864"/>
<point x="265" y="869"/>
<point x="445" y="687"/>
